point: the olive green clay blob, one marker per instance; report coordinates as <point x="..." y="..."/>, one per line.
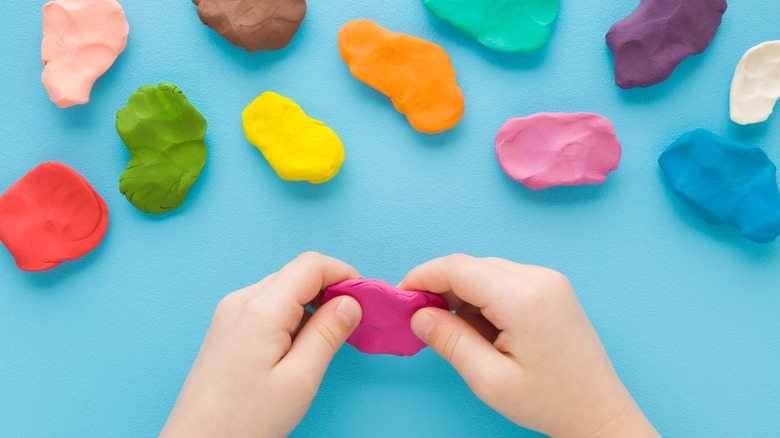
<point x="509" y="26"/>
<point x="164" y="134"/>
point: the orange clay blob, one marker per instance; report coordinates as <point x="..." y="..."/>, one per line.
<point x="415" y="74"/>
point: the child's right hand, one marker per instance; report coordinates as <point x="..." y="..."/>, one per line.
<point x="522" y="342"/>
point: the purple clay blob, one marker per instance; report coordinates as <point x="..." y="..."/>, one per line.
<point x="651" y="42"/>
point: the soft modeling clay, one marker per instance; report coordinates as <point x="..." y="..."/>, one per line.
<point x="725" y="183"/>
<point x="651" y="42"/>
<point x="558" y="149"/>
<point x="510" y="26"/>
<point x="253" y="25"/>
<point x="298" y="147"/>
<point x="81" y="40"/>
<point x="50" y="216"/>
<point x="756" y="84"/>
<point x="387" y="314"/>
<point x="415" y="74"/>
<point x="164" y="134"/>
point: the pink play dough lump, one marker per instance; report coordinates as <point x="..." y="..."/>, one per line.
<point x="81" y="40"/>
<point x="387" y="313"/>
<point x="558" y="149"/>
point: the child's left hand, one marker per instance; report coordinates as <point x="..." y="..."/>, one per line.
<point x="264" y="356"/>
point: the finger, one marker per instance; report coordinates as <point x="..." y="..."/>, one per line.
<point x="254" y="290"/>
<point x="453" y="301"/>
<point x="316" y="302"/>
<point x="474" y="318"/>
<point x="514" y="268"/>
<point x="473" y="280"/>
<point x="320" y="339"/>
<point x="264" y="281"/>
<point x="535" y="278"/>
<point x="306" y="276"/>
<point x="472" y="356"/>
<point x="306" y="317"/>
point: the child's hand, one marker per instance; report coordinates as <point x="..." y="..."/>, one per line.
<point x="524" y="345"/>
<point x="264" y="356"/>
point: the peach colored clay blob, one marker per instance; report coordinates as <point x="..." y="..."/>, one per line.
<point x="81" y="40"/>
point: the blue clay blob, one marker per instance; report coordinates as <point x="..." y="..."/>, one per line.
<point x="725" y="183"/>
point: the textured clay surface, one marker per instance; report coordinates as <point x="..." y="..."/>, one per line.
<point x="509" y="26"/>
<point x="725" y="183"/>
<point x="298" y="147"/>
<point x="81" y="40"/>
<point x="651" y="42"/>
<point x="415" y="74"/>
<point x="254" y="25"/>
<point x="756" y="84"/>
<point x="164" y="134"/>
<point x="50" y="216"/>
<point x="558" y="149"/>
<point x="387" y="314"/>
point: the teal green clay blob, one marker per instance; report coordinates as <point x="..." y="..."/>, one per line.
<point x="164" y="134"/>
<point x="509" y="26"/>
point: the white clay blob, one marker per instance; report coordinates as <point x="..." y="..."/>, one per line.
<point x="756" y="84"/>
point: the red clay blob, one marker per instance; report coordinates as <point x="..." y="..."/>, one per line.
<point x="387" y="315"/>
<point x="50" y="216"/>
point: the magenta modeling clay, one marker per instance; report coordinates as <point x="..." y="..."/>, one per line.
<point x="387" y="313"/>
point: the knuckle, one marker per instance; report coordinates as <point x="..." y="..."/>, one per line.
<point x="538" y="299"/>
<point x="494" y="259"/>
<point x="263" y="310"/>
<point x="310" y="256"/>
<point x="255" y="306"/>
<point x="460" y="260"/>
<point x="330" y="336"/>
<point x="447" y="341"/>
<point x="551" y="277"/>
<point x="558" y="279"/>
<point x="552" y="287"/>
<point x="229" y="304"/>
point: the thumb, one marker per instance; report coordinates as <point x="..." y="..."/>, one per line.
<point x="323" y="335"/>
<point x="460" y="344"/>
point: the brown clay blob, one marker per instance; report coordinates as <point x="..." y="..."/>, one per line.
<point x="253" y="25"/>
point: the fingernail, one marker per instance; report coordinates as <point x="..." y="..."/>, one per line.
<point x="422" y="324"/>
<point x="349" y="311"/>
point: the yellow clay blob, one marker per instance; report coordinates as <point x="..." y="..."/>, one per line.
<point x="298" y="147"/>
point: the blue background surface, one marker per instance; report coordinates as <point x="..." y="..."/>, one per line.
<point x="101" y="346"/>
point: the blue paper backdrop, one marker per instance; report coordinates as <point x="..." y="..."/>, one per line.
<point x="101" y="346"/>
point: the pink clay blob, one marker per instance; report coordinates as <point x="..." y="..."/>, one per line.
<point x="558" y="149"/>
<point x="387" y="314"/>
